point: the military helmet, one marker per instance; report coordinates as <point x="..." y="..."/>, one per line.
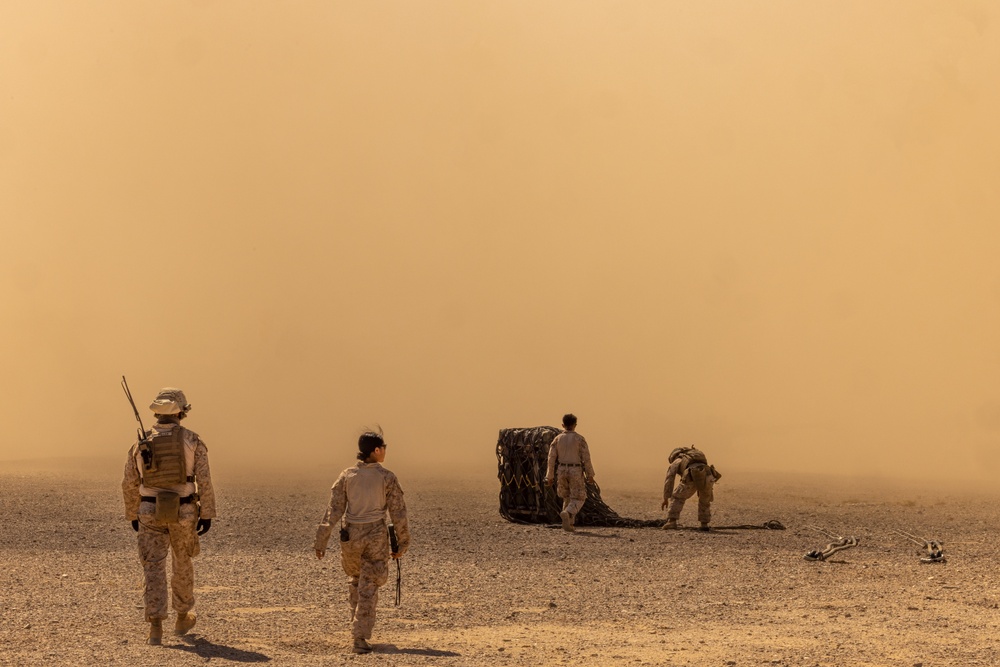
<point x="170" y="401"/>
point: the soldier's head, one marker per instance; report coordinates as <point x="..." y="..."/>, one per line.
<point x="569" y="421"/>
<point x="371" y="447"/>
<point x="170" y="405"/>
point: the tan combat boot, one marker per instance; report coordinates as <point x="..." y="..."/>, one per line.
<point x="155" y="632"/>
<point x="361" y="645"/>
<point x="567" y="521"/>
<point x="185" y="621"/>
<point x="671" y="524"/>
<point x="704" y="526"/>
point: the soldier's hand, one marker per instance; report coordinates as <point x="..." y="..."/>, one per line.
<point x="663" y="505"/>
<point x="549" y="482"/>
<point x="135" y="525"/>
<point x="204" y="525"/>
<point x="320" y="553"/>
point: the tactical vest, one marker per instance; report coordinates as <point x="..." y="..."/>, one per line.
<point x="163" y="460"/>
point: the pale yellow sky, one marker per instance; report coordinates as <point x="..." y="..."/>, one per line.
<point x="767" y="228"/>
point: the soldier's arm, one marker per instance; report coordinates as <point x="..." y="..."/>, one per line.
<point x="397" y="513"/>
<point x="550" y="470"/>
<point x="338" y="503"/>
<point x="588" y="467"/>
<point x="203" y="475"/>
<point x="130" y="487"/>
<point x="668" y="483"/>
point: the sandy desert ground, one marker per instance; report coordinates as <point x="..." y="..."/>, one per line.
<point x="480" y="591"/>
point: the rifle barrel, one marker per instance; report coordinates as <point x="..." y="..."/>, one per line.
<point x="135" y="410"/>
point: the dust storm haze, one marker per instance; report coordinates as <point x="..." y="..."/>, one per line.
<point x="766" y="228"/>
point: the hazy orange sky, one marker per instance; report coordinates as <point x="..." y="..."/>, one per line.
<point x="767" y="228"/>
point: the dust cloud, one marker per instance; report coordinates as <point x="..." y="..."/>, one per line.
<point x="767" y="228"/>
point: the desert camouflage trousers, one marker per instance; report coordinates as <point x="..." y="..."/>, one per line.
<point x="572" y="488"/>
<point x="685" y="490"/>
<point x="365" y="559"/>
<point x="155" y="540"/>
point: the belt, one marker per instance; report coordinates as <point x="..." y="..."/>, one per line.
<point x="367" y="523"/>
<point x="152" y="499"/>
<point x="572" y="465"/>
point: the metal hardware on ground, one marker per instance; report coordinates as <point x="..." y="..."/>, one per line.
<point x="839" y="543"/>
<point x="935" y="549"/>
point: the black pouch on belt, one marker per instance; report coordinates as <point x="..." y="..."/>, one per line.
<point x="344" y="535"/>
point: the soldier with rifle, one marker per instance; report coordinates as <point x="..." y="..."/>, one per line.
<point x="169" y="499"/>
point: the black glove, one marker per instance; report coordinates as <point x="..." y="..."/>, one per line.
<point x="135" y="525"/>
<point x="204" y="525"/>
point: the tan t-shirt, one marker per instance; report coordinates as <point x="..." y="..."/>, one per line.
<point x="569" y="447"/>
<point x="363" y="494"/>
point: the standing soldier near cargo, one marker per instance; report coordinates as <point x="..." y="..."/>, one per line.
<point x="169" y="499"/>
<point x="360" y="497"/>
<point x="569" y="450"/>
<point x="696" y="476"/>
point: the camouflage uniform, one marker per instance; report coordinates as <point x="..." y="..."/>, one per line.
<point x="570" y="451"/>
<point x="362" y="495"/>
<point x="695" y="477"/>
<point x="157" y="538"/>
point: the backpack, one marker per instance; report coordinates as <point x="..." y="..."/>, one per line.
<point x="690" y="453"/>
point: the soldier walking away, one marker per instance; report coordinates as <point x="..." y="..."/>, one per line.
<point x="169" y="499"/>
<point x="570" y="457"/>
<point x="359" y="500"/>
<point x="696" y="476"/>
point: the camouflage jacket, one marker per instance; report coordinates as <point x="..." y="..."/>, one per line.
<point x="677" y="469"/>
<point x="364" y="493"/>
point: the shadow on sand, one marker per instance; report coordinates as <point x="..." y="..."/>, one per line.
<point x="587" y="533"/>
<point x="583" y="531"/>
<point x="206" y="649"/>
<point x="392" y="649"/>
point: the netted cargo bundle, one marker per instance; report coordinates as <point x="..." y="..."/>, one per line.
<point x="522" y="457"/>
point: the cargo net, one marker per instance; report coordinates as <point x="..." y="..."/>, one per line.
<point x="522" y="458"/>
